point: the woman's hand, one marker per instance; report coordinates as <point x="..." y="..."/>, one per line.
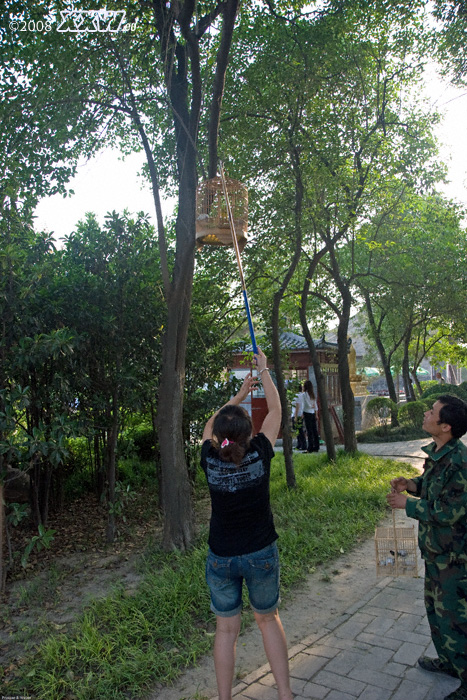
<point x="249" y="383"/>
<point x="261" y="360"/>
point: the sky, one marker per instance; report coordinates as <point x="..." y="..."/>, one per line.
<point x="107" y="182"/>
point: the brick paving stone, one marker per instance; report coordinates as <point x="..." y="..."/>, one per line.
<point x="423" y="628"/>
<point x="313" y="638"/>
<point x="339" y="695"/>
<point x="410" y="691"/>
<point x="409" y="653"/>
<point x="373" y="693"/>
<point x="268" y="679"/>
<point x="322" y="650"/>
<point x="409" y="637"/>
<point x="332" y="624"/>
<point x="341" y="643"/>
<point x="255" y="675"/>
<point x="377" y="657"/>
<point x="397" y="670"/>
<point x="377" y="640"/>
<point x="297" y="685"/>
<point x="442" y="686"/>
<point x="408" y="621"/>
<point x="260" y="692"/>
<point x="385" y="600"/>
<point x="314" y="691"/>
<point x="364" y="600"/>
<point x="344" y="662"/>
<point x="336" y="682"/>
<point x="350" y="629"/>
<point x="392" y="614"/>
<point x="376" y="678"/>
<point x="380" y="625"/>
<point x="305" y="666"/>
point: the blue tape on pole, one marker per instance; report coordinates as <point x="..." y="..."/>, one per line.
<point x="250" y="323"/>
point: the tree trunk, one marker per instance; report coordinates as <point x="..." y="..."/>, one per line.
<point x="348" y="401"/>
<point x="2" y="529"/>
<point x="112" y="469"/>
<point x="408" y="387"/>
<point x="416" y="381"/>
<point x="175" y="485"/>
<point x="186" y="100"/>
<point x="385" y="361"/>
<point x="322" y="393"/>
<point x="287" y="444"/>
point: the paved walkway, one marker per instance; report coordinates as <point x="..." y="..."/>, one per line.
<point x="370" y="652"/>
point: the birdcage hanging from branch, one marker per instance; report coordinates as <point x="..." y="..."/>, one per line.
<point x="222" y="220"/>
<point x="212" y="218"/>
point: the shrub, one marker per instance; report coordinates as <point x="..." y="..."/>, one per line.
<point x="77" y="471"/>
<point x="434" y="391"/>
<point x="143" y="438"/>
<point x="137" y="441"/>
<point x="384" y="433"/>
<point x="428" y="384"/>
<point x="136" y="473"/>
<point x="381" y="407"/>
<point x="411" y="413"/>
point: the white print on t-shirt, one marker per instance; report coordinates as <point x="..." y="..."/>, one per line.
<point x="225" y="476"/>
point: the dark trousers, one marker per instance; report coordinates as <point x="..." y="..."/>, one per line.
<point x="311" y="431"/>
<point x="301" y="440"/>
<point x="446" y="609"/>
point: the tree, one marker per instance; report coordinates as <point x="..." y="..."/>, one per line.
<point x="109" y="294"/>
<point x="148" y="90"/>
<point x="451" y="38"/>
<point x="414" y="285"/>
<point x="335" y="105"/>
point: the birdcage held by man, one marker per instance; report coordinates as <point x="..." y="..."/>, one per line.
<point x="396" y="551"/>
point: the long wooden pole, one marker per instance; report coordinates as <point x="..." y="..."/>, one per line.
<point x="239" y="260"/>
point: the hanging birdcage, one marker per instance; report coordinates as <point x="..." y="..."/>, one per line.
<point x="212" y="219"/>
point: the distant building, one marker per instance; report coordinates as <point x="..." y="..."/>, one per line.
<point x="299" y="367"/>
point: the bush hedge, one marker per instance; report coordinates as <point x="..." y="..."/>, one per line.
<point x="411" y="413"/>
<point x="440" y="389"/>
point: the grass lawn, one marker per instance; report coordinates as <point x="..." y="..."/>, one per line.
<point x="123" y="644"/>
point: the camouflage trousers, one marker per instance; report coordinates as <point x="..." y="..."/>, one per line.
<point x="446" y="608"/>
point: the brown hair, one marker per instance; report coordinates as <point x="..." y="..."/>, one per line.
<point x="234" y="424"/>
<point x="308" y="387"/>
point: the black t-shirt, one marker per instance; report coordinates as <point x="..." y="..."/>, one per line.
<point x="241" y="518"/>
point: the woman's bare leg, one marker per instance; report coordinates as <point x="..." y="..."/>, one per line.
<point x="275" y="646"/>
<point x="225" y="645"/>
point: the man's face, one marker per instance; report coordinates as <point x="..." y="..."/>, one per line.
<point x="431" y="421"/>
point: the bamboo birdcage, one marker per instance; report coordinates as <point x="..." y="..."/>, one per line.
<point x="396" y="550"/>
<point x="212" y="219"/>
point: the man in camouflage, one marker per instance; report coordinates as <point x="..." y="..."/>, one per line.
<point x="438" y="500"/>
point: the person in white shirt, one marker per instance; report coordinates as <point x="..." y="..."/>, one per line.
<point x="298" y="420"/>
<point x="310" y="412"/>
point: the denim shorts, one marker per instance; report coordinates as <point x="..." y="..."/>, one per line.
<point x="259" y="570"/>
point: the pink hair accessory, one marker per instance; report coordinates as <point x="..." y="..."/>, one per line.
<point x="226" y="442"/>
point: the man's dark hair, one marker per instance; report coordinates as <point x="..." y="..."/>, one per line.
<point x="454" y="413"/>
